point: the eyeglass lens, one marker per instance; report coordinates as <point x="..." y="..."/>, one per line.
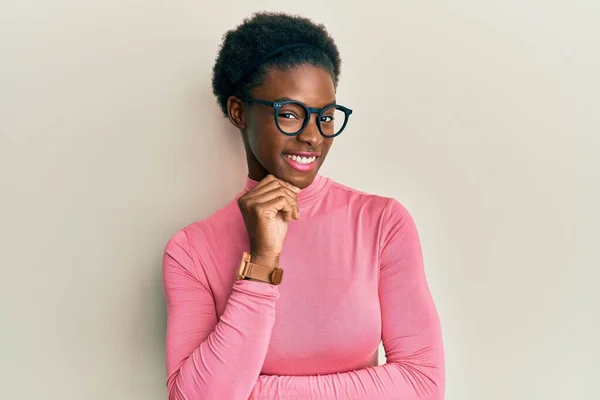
<point x="291" y="118"/>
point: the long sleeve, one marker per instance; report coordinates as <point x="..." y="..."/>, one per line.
<point x="411" y="332"/>
<point x="206" y="359"/>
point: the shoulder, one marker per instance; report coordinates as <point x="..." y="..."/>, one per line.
<point x="224" y="222"/>
<point x="386" y="215"/>
<point x="373" y="203"/>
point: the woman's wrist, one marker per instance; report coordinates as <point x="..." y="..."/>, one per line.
<point x="271" y="260"/>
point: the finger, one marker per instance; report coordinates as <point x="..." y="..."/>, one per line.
<point x="266" y="185"/>
<point x="289" y="185"/>
<point x="274" y="184"/>
<point x="291" y="196"/>
<point x="279" y="204"/>
<point x="267" y="179"/>
<point x="274" y="188"/>
<point x="272" y="194"/>
<point x="270" y="178"/>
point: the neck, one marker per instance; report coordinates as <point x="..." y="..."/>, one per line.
<point x="257" y="172"/>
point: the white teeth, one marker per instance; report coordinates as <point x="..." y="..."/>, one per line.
<point x="301" y="160"/>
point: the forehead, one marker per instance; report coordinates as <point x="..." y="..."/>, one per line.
<point x="309" y="84"/>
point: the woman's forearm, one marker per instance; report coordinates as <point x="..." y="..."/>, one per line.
<point x="207" y="359"/>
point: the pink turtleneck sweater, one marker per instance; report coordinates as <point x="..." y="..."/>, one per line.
<point x="353" y="276"/>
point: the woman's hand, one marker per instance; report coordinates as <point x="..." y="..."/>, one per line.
<point x="267" y="209"/>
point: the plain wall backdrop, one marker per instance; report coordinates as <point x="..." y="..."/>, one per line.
<point x="481" y="117"/>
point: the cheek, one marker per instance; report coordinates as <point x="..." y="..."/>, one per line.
<point x="327" y="145"/>
<point x="265" y="139"/>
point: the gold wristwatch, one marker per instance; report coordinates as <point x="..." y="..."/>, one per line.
<point x="258" y="272"/>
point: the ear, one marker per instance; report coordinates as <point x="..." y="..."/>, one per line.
<point x="236" y="113"/>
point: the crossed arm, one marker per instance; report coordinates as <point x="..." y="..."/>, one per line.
<point x="411" y="333"/>
<point x="210" y="359"/>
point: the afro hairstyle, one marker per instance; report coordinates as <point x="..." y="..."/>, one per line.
<point x="259" y="35"/>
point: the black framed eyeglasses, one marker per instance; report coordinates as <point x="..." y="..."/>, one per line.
<point x="292" y="116"/>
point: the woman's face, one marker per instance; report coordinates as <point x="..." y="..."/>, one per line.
<point x="267" y="149"/>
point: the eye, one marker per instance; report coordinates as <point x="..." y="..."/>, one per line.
<point x="287" y="115"/>
<point x="327" y="118"/>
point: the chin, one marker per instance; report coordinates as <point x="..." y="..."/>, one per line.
<point x="300" y="179"/>
<point x="302" y="183"/>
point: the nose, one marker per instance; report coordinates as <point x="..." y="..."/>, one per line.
<point x="311" y="134"/>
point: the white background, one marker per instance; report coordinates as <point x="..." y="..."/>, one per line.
<point x="481" y="117"/>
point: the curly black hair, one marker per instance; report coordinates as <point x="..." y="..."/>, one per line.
<point x="257" y="36"/>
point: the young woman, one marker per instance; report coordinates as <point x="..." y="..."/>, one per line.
<point x="287" y="291"/>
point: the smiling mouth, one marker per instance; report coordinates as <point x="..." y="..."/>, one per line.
<point x="301" y="163"/>
<point x="301" y="159"/>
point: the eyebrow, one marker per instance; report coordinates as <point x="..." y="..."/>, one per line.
<point x="289" y="98"/>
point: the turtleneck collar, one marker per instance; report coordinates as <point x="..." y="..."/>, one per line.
<point x="307" y="196"/>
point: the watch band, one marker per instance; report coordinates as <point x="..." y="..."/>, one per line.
<point x="247" y="269"/>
